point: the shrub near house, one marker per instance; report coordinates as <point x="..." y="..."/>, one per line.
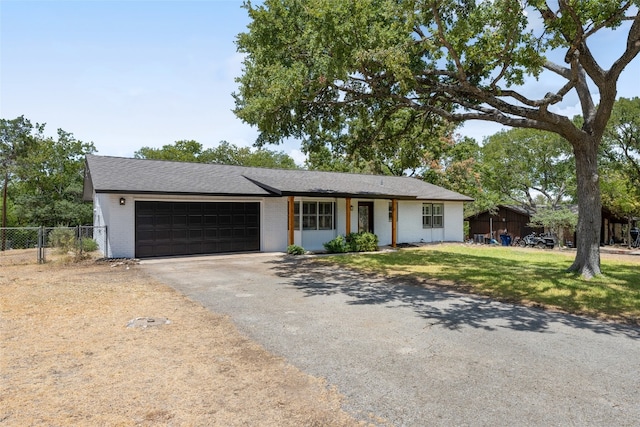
<point x="353" y="242"/>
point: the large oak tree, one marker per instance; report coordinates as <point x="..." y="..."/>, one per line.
<point x="319" y="69"/>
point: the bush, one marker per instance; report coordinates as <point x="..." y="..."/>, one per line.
<point x="62" y="238"/>
<point x="362" y="242"/>
<point x="337" y="246"/>
<point x="295" y="250"/>
<point x="354" y="242"/>
<point x="88" y="245"/>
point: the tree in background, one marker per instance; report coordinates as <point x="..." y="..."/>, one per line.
<point x="49" y="182"/>
<point x="556" y="220"/>
<point x="224" y="153"/>
<point x="621" y="142"/>
<point x="16" y="138"/>
<point x="333" y="65"/>
<point x="620" y="163"/>
<point x="456" y="164"/>
<point x="180" y="151"/>
<point x="621" y="196"/>
<point x="323" y="159"/>
<point x="521" y="164"/>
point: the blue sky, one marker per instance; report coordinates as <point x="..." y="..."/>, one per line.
<point x="128" y="74"/>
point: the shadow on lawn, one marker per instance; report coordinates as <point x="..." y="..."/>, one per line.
<point x="437" y="304"/>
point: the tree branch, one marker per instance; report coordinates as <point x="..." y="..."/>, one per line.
<point x="454" y="54"/>
<point x="632" y="50"/>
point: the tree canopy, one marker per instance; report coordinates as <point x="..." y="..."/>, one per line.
<point x="621" y="142"/>
<point x="522" y="163"/>
<point x="224" y="153"/>
<point x="620" y="163"/>
<point x="324" y="70"/>
<point x="16" y="138"/>
<point x="43" y="175"/>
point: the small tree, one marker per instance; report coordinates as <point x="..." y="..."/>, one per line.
<point x="555" y="220"/>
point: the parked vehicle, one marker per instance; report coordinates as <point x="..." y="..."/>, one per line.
<point x="540" y="241"/>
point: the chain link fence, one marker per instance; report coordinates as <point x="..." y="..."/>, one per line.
<point x="26" y="245"/>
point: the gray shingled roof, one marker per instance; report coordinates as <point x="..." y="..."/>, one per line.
<point x="122" y="175"/>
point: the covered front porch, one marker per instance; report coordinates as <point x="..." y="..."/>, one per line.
<point x="313" y="221"/>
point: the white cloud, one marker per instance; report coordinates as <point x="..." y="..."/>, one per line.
<point x="298" y="156"/>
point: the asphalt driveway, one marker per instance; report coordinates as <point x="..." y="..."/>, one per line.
<point x="416" y="355"/>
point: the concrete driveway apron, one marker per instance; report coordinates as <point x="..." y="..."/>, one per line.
<point x="417" y="356"/>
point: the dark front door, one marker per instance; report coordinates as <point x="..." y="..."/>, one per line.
<point x="365" y="217"/>
<point x="190" y="228"/>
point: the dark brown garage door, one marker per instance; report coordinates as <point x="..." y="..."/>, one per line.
<point x="188" y="228"/>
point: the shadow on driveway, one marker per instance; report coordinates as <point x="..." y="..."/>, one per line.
<point x="438" y="304"/>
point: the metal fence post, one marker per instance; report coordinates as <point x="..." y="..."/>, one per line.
<point x="40" y="243"/>
<point x="79" y="240"/>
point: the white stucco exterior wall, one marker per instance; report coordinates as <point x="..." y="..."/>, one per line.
<point x="273" y="224"/>
<point x="120" y="221"/>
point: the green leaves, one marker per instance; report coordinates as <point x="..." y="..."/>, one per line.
<point x="224" y="153"/>
<point x="43" y="175"/>
<point x="49" y="178"/>
<point x="522" y="162"/>
<point x="620" y="163"/>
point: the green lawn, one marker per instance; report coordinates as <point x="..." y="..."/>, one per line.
<point x="517" y="275"/>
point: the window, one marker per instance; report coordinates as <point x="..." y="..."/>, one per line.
<point x="438" y="215"/>
<point x="325" y="216"/>
<point x="309" y="215"/>
<point x="315" y="215"/>
<point x="432" y="215"/>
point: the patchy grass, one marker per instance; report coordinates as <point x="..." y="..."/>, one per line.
<point x="535" y="277"/>
<point x="68" y="357"/>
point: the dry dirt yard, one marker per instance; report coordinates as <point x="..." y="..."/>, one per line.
<point x="68" y="357"/>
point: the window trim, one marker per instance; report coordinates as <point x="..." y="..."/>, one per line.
<point x="317" y="215"/>
<point x="431" y="219"/>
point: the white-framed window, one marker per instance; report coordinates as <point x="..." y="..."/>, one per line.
<point x="325" y="216"/>
<point x="309" y="215"/>
<point x="315" y="215"/>
<point x="432" y="215"/>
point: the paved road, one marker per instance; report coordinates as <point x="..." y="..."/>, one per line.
<point x="419" y="356"/>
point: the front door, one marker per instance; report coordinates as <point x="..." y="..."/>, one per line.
<point x="365" y="217"/>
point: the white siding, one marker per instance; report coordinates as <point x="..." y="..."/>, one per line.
<point x="273" y="225"/>
<point x="454" y="215"/>
<point x="410" y="223"/>
<point x="120" y="221"/>
<point x="381" y="223"/>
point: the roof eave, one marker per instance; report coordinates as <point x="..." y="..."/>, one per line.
<point x="184" y="193"/>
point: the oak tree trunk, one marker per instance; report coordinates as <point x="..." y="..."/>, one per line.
<point x="587" y="261"/>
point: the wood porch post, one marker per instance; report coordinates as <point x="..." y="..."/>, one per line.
<point x="348" y="206"/>
<point x="291" y="222"/>
<point x="394" y="222"/>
